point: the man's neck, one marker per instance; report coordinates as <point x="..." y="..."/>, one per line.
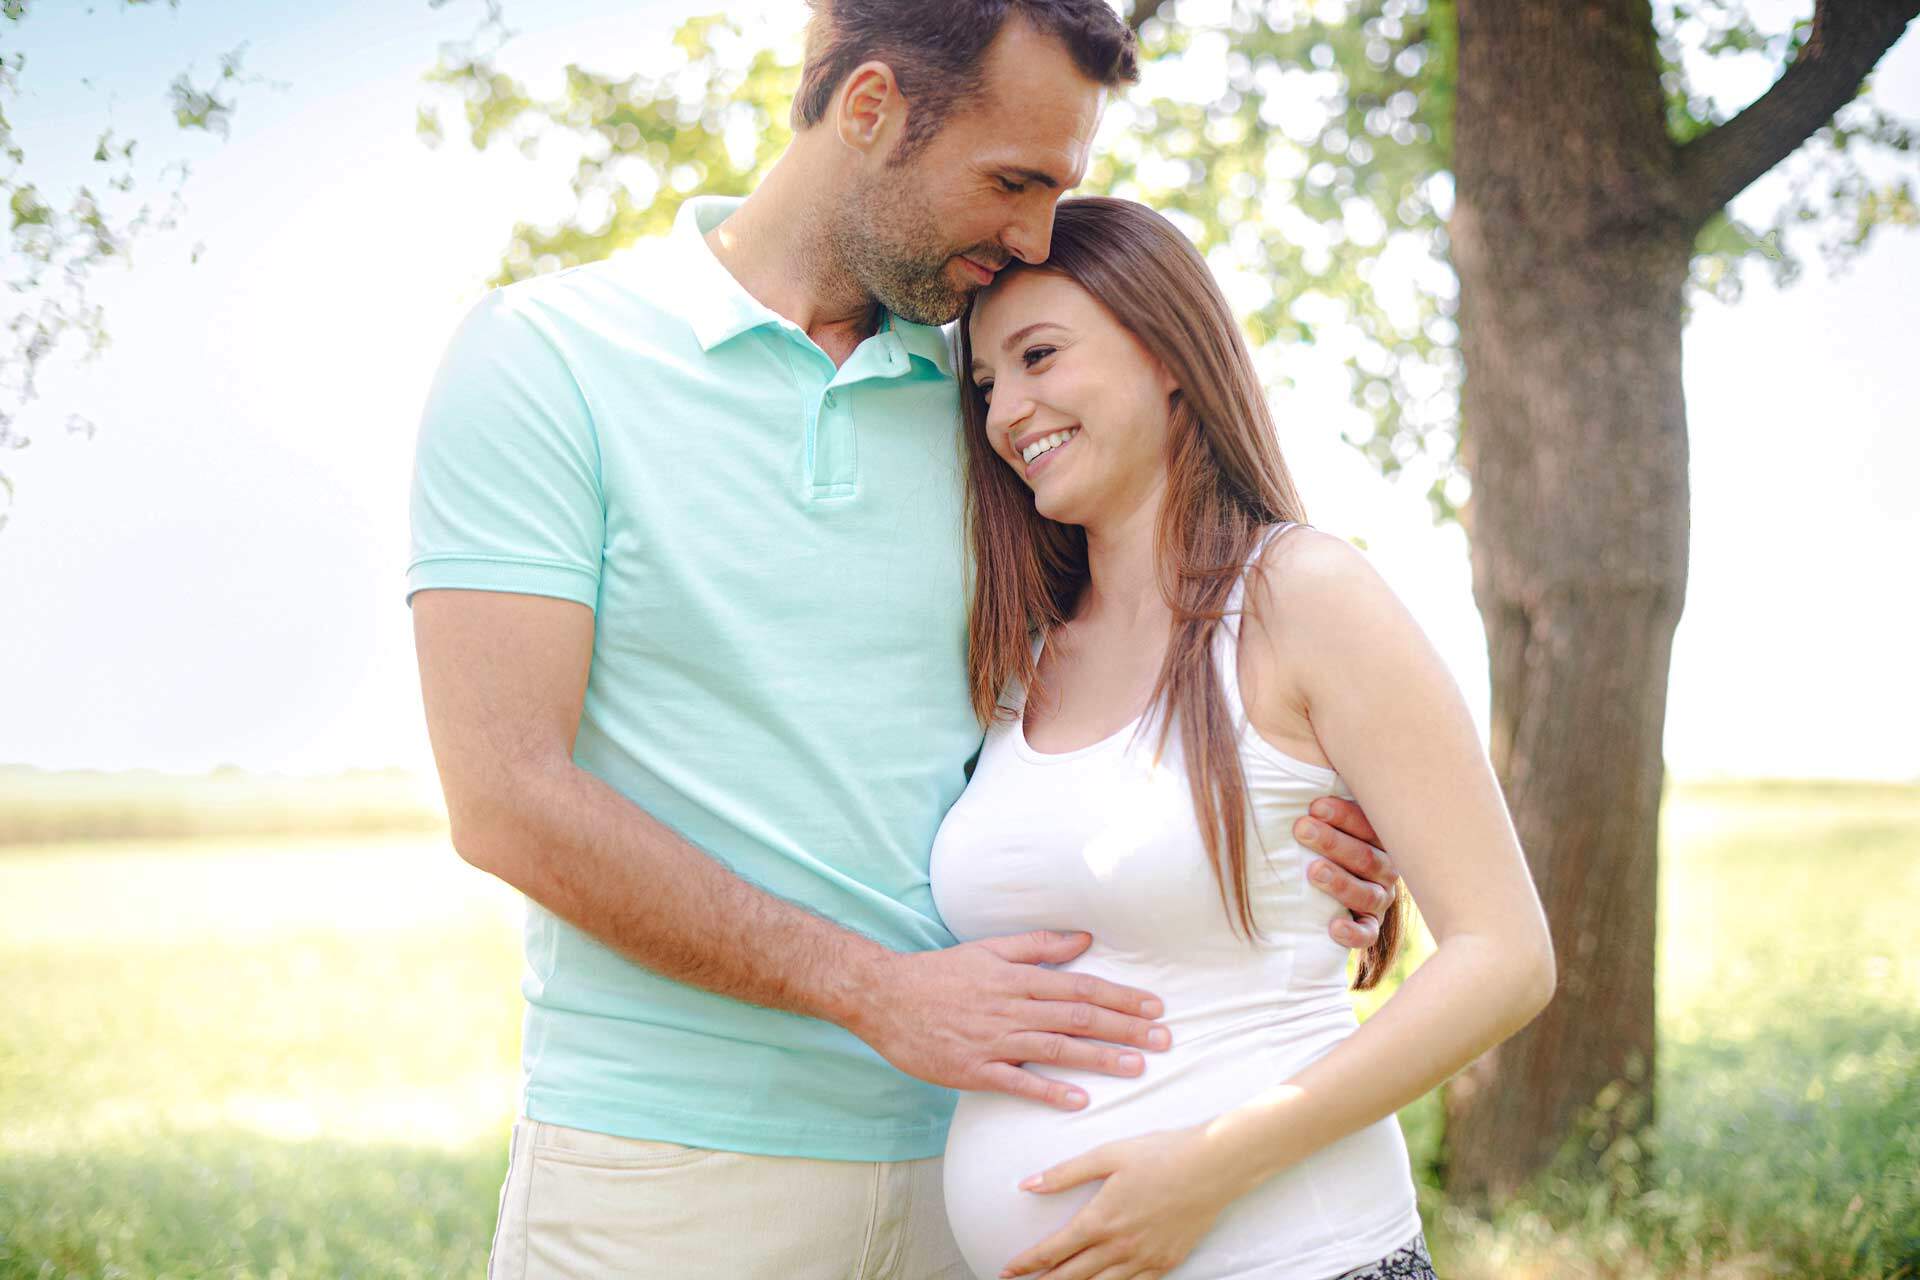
<point x="775" y="245"/>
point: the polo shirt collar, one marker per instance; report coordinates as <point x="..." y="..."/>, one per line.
<point x="720" y="309"/>
<point x="923" y="340"/>
<point x="715" y="304"/>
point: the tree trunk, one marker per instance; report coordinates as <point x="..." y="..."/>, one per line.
<point x="1572" y="253"/>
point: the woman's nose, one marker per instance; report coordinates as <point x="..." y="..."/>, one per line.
<point x="1008" y="410"/>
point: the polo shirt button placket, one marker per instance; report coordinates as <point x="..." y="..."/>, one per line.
<point x="833" y="447"/>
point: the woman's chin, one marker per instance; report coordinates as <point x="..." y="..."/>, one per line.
<point x="1057" y="508"/>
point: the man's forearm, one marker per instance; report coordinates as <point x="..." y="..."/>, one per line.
<point x="604" y="865"/>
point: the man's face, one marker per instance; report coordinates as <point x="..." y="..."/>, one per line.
<point x="925" y="235"/>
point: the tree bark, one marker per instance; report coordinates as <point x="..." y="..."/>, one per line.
<point x="1572" y="250"/>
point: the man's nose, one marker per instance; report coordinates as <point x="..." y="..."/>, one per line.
<point x="1031" y="238"/>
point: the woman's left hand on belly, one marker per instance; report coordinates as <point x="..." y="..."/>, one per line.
<point x="1160" y="1197"/>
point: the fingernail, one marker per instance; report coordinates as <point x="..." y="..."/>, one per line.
<point x="1152" y="1008"/>
<point x="1076" y="1097"/>
<point x="1029" y="1184"/>
<point x="1323" y="874"/>
<point x="1320" y="809"/>
<point x="1159" y="1038"/>
<point x="1131" y="1062"/>
<point x="1309" y="833"/>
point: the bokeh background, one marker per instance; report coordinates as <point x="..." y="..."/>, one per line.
<point x="260" y="1020"/>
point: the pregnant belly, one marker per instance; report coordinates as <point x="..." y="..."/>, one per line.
<point x="1336" y="1204"/>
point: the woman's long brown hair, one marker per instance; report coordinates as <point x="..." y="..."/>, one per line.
<point x="1226" y="484"/>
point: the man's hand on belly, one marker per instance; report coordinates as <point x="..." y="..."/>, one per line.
<point x="968" y="1016"/>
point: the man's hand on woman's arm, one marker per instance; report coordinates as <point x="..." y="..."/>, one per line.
<point x="1352" y="867"/>
<point x="504" y="676"/>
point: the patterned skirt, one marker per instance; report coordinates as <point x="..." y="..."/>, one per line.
<point x="1411" y="1262"/>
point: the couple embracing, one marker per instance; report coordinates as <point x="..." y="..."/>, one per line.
<point x="726" y="557"/>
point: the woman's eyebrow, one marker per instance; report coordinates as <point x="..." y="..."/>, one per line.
<point x="1014" y="339"/>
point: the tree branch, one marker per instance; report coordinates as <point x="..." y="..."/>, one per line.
<point x="1848" y="37"/>
<point x="1141" y="10"/>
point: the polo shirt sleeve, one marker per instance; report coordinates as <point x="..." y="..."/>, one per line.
<point x="506" y="479"/>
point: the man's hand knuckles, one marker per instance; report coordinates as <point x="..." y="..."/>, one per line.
<point x="1365" y="865"/>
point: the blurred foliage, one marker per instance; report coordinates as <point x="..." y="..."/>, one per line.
<point x="58" y="242"/>
<point x="1304" y="144"/>
<point x="298" y="1057"/>
<point x="710" y="120"/>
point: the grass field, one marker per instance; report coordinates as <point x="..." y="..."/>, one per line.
<point x="42" y="807"/>
<point x="252" y="1058"/>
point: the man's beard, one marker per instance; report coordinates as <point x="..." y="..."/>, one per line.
<point x="885" y="236"/>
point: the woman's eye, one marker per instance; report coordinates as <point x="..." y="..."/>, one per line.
<point x="986" y="390"/>
<point x="1033" y="355"/>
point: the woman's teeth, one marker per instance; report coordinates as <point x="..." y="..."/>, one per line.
<point x="1042" y="445"/>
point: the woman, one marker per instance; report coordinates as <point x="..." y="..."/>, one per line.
<point x="1171" y="668"/>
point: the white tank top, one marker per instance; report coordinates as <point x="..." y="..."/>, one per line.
<point x="1105" y="840"/>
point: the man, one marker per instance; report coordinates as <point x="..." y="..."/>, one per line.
<point x="689" y="597"/>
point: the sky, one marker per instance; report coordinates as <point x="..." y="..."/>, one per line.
<point x="216" y="575"/>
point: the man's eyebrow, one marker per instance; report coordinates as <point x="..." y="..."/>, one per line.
<point x="1014" y="339"/>
<point x="1046" y="180"/>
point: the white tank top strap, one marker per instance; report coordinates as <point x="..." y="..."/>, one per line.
<point x="1236" y="599"/>
<point x="1227" y="639"/>
<point x="1258" y="756"/>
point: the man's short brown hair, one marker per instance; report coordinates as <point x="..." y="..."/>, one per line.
<point x="937" y="47"/>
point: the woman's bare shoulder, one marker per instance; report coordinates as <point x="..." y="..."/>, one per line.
<point x="1305" y="571"/>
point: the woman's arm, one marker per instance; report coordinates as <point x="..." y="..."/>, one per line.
<point x="1350" y="664"/>
<point x="1341" y="670"/>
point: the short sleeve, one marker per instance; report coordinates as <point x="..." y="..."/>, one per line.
<point x="506" y="478"/>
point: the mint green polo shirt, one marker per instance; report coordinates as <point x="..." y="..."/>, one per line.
<point x="772" y="548"/>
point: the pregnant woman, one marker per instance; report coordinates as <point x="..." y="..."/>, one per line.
<point x="1171" y="668"/>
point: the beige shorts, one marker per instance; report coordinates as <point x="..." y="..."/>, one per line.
<point x="580" y="1204"/>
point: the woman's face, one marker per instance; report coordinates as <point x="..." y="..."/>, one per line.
<point x="1075" y="405"/>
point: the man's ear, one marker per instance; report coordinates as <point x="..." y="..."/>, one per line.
<point x="871" y="111"/>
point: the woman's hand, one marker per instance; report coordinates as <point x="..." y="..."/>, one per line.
<point x="1162" y="1193"/>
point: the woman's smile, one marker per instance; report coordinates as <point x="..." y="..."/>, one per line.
<point x="1037" y="451"/>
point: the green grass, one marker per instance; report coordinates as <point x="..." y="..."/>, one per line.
<point x="252" y="1058"/>
<point x="216" y="1062"/>
<point x="41" y="807"/>
<point x="1787" y="1139"/>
